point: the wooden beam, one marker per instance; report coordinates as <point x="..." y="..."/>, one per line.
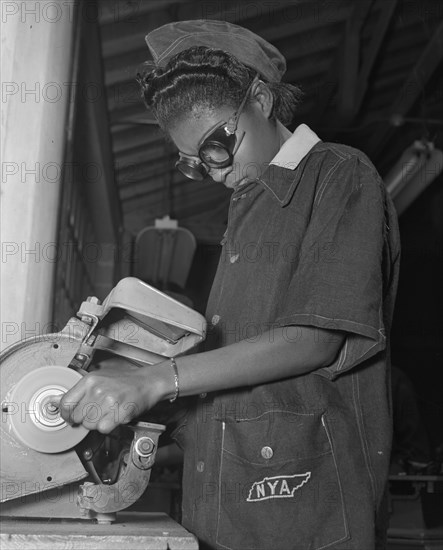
<point x="304" y="24"/>
<point x="136" y="135"/>
<point x="298" y="74"/>
<point x="123" y="68"/>
<point x="326" y="87"/>
<point x="413" y="86"/>
<point x="131" y="10"/>
<point x="96" y="146"/>
<point x="348" y="67"/>
<point x="420" y="74"/>
<point x="142" y="154"/>
<point x="385" y="16"/>
<point x="137" y="178"/>
<point x="302" y="50"/>
<point x="124" y="96"/>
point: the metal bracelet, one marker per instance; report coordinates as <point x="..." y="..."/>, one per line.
<point x="177" y="387"/>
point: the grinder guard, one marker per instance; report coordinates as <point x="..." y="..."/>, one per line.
<point x="135" y="321"/>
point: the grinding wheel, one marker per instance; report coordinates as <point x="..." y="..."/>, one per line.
<point x="37" y="422"/>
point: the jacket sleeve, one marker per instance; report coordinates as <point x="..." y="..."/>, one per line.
<point x="341" y="277"/>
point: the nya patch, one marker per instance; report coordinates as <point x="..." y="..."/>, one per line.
<point x="277" y="487"/>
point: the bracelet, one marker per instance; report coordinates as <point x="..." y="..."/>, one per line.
<point x="177" y="387"/>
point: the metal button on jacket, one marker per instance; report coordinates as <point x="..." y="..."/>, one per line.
<point x="215" y="319"/>
<point x="200" y="466"/>
<point x="267" y="452"/>
<point x="234" y="258"/>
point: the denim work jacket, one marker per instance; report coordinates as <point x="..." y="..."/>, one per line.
<point x="299" y="463"/>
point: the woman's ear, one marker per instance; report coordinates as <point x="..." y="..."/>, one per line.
<point x="264" y="98"/>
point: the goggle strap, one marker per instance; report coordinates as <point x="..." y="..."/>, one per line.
<point x="231" y="126"/>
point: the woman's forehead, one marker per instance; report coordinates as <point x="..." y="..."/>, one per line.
<point x="189" y="129"/>
<point x="200" y="115"/>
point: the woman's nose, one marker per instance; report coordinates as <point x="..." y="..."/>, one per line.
<point x="219" y="174"/>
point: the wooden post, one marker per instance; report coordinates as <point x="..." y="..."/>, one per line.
<point x="37" y="44"/>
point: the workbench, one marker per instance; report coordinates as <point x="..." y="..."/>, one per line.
<point x="132" y="531"/>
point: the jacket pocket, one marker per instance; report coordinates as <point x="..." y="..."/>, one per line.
<point x="279" y="484"/>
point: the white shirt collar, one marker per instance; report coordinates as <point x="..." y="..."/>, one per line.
<point x="296" y="148"/>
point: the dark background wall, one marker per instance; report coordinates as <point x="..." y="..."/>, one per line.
<point x="417" y="342"/>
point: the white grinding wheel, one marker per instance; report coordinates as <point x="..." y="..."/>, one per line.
<point x="37" y="424"/>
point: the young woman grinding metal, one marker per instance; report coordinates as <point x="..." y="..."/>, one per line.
<point x="287" y="439"/>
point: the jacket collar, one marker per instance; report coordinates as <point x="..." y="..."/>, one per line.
<point x="280" y="178"/>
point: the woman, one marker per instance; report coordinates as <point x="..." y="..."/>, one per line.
<point x="287" y="439"/>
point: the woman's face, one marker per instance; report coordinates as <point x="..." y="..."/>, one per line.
<point x="259" y="141"/>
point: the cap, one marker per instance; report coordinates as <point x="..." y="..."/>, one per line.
<point x="249" y="48"/>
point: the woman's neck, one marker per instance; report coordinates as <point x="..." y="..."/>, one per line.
<point x="283" y="133"/>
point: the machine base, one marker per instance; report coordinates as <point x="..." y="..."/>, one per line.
<point x="132" y="531"/>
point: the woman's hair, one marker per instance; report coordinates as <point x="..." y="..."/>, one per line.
<point x="202" y="77"/>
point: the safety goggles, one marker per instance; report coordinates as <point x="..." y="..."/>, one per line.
<point x="217" y="147"/>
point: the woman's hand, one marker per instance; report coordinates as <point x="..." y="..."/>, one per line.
<point x="114" y="394"/>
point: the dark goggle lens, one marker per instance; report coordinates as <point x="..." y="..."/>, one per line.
<point x="215" y="154"/>
<point x="216" y="150"/>
<point x="192" y="170"/>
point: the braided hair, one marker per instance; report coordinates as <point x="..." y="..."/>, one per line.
<point x="208" y="78"/>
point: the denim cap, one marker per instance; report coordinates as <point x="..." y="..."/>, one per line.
<point x="249" y="48"/>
